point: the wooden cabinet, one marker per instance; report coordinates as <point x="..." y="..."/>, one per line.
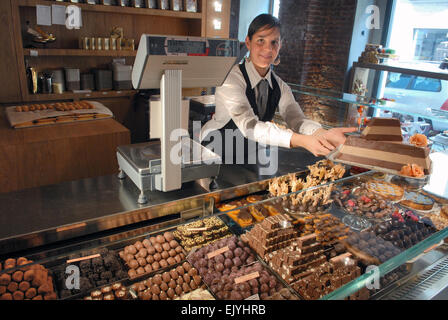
<point x="98" y="21"/>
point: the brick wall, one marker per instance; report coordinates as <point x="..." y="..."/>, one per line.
<point x="316" y="43"/>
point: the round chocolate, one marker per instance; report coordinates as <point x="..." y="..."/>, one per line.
<point x="148" y="268"/>
<point x="166" y="246"/>
<point x="193" y="271"/>
<point x="163" y="296"/>
<point x="163" y="263"/>
<point x="142" y="253"/>
<point x="147" y="295"/>
<point x="158" y="247"/>
<point x="178" y="249"/>
<point x="180" y="271"/>
<point x="157" y="257"/>
<point x="142" y="262"/>
<point x="172" y="253"/>
<point x="182" y="256"/>
<point x="187" y="278"/>
<point x="172" y="284"/>
<point x="186" y="266"/>
<point x="178" y="290"/>
<point x="164" y="286"/>
<point x="151" y="250"/>
<point x="157" y="279"/>
<point x="197" y="279"/>
<point x="178" y="259"/>
<point x="155" y="289"/>
<point x="150" y="259"/>
<point x="174" y="274"/>
<point x="129" y="257"/>
<point x="180" y="281"/>
<point x="17" y="276"/>
<point x="117" y="286"/>
<point x="166" y="277"/>
<point x="160" y="239"/>
<point x="170" y="293"/>
<point x="146" y="243"/>
<point x="155" y="297"/>
<point x="155" y="266"/>
<point x="140" y="271"/>
<point x="185" y="287"/>
<point x="122" y="254"/>
<point x="133" y="264"/>
<point x="18" y="295"/>
<point x="171" y="261"/>
<point x="106" y="290"/>
<point x="168" y="236"/>
<point x="165" y="255"/>
<point x="153" y="240"/>
<point x="141" y="287"/>
<point x="173" y="244"/>
<point x="193" y="285"/>
<point x="138" y="245"/>
<point x="132" y="249"/>
<point x="24" y="285"/>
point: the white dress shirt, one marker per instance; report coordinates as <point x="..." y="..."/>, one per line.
<point x="232" y="103"/>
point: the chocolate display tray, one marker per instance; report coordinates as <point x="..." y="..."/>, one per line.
<point x="333" y="156"/>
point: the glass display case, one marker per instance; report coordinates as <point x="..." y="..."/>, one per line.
<point x="323" y="233"/>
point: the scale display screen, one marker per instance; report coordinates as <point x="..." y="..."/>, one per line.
<point x="189" y="47"/>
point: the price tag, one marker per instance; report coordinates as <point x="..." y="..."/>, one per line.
<point x="217" y="252"/>
<point x="248" y="277"/>
<point x="84" y="258"/>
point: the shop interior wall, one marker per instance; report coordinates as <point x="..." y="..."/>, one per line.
<point x="316" y="46"/>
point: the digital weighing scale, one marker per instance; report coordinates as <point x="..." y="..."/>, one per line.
<point x="173" y="63"/>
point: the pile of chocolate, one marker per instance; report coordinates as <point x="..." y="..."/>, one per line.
<point x="201" y="233"/>
<point x="246" y="282"/>
<point x="221" y="258"/>
<point x="31" y="282"/>
<point x="95" y="272"/>
<point x="363" y="202"/>
<point x="283" y="294"/>
<point x="152" y="254"/>
<point x="294" y="262"/>
<point x="168" y="285"/>
<point x="403" y="231"/>
<point x="272" y="234"/>
<point x="114" y="292"/>
<point x="329" y="229"/>
<point x="370" y="244"/>
<point x="328" y="277"/>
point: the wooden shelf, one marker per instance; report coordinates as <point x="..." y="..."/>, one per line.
<point x="71" y="95"/>
<point x="79" y="53"/>
<point x="116" y="9"/>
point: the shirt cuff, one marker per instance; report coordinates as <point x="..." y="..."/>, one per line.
<point x="284" y="139"/>
<point x="308" y="127"/>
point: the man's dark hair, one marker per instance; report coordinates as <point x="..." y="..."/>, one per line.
<point x="263" y="21"/>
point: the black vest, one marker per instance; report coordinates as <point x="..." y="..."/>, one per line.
<point x="271" y="106"/>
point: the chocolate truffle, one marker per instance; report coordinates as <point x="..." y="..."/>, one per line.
<point x="172" y="253"/>
<point x="143" y="253"/>
<point x="172" y="284"/>
<point x="132" y="249"/>
<point x="170" y="293"/>
<point x="180" y="281"/>
<point x="168" y="236"/>
<point x="193" y="285"/>
<point x="132" y="273"/>
<point x="146" y="243"/>
<point x="133" y="264"/>
<point x="166" y="246"/>
<point x="147" y="295"/>
<point x="163" y="263"/>
<point x="18" y="295"/>
<point x="5" y="279"/>
<point x="165" y="255"/>
<point x="173" y="244"/>
<point x="178" y="290"/>
<point x="151" y="250"/>
<point x="180" y="270"/>
<point x="106" y="290"/>
<point x="155" y="289"/>
<point x="166" y="277"/>
<point x="163" y="296"/>
<point x="160" y="239"/>
<point x="185" y="287"/>
<point x="158" y="247"/>
<point x="148" y="268"/>
<point x="178" y="249"/>
<point x="153" y="240"/>
<point x="6" y="296"/>
<point x="178" y="259"/>
<point x="171" y="261"/>
<point x="155" y="266"/>
<point x="12" y="286"/>
<point x="157" y="257"/>
<point x="138" y="245"/>
<point x="30" y="293"/>
<point x="164" y="286"/>
<point x="142" y="262"/>
<point x="186" y="266"/>
<point x="197" y="279"/>
<point x="187" y="278"/>
<point x="150" y="259"/>
<point x="157" y="279"/>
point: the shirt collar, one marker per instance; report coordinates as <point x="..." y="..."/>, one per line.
<point x="254" y="76"/>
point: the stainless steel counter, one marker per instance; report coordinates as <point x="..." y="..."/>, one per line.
<point x="45" y="215"/>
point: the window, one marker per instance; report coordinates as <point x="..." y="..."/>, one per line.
<point x="431" y="44"/>
<point x="427" y="84"/>
<point x="276" y="8"/>
<point x="398" y="80"/>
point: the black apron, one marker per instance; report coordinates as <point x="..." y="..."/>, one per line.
<point x="271" y="106"/>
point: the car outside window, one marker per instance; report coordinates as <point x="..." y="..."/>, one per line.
<point x="398" y="80"/>
<point x="427" y="84"/>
